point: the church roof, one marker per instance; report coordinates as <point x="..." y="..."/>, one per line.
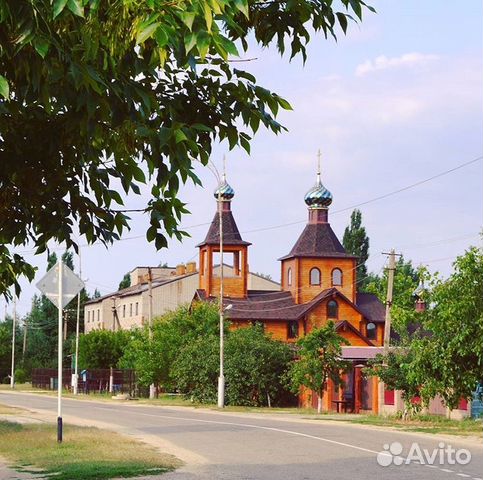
<point x="371" y="307"/>
<point x="231" y="234"/>
<point x="317" y="240"/>
<point x="279" y="305"/>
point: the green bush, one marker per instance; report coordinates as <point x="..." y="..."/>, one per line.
<point x="20" y="375"/>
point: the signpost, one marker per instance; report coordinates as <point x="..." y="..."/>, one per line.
<point x="60" y="285"/>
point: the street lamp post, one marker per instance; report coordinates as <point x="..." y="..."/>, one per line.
<point x="222" y="309"/>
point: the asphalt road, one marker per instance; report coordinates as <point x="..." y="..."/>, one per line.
<point x="229" y="446"/>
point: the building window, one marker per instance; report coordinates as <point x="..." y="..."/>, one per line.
<point x="332" y="309"/>
<point x="315" y="276"/>
<point x="293" y="329"/>
<point x="123" y="311"/>
<point x="337" y="277"/>
<point x="98" y="315"/>
<point x="289" y="277"/>
<point x="371" y="331"/>
<point x="130" y="309"/>
<point x="137" y="308"/>
<point x="88" y="316"/>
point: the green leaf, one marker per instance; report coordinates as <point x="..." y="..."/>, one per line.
<point x="208" y="16"/>
<point x="179" y="136"/>
<point x="41" y="46"/>
<point x="189" y="42"/>
<point x="4" y="88"/>
<point x="146" y="32"/>
<point x="59" y="5"/>
<point x="75" y="6"/>
<point x="161" y="37"/>
<point x="284" y="104"/>
<point x="242" y="6"/>
<point x="203" y="43"/>
<point x="342" y="21"/>
<point x="188" y="18"/>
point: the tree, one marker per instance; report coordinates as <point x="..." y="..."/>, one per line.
<point x="448" y="360"/>
<point x="396" y="370"/>
<point x="98" y="98"/>
<point x="255" y="365"/>
<point x="406" y="280"/>
<point x="102" y="348"/>
<point x="320" y="359"/>
<point x="154" y="359"/>
<point x="125" y="282"/>
<point x="356" y="242"/>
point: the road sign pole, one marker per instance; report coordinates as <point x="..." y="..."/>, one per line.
<point x="59" y="374"/>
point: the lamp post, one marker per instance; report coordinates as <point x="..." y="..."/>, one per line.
<point x="221" y="378"/>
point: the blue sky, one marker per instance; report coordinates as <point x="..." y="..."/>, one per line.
<point x="396" y="101"/>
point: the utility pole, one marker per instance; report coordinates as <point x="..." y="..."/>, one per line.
<point x="77" y="327"/>
<point x="390" y="287"/>
<point x="221" y="378"/>
<point x="14" y="324"/>
<point x="24" y="347"/>
<point x="150" y="320"/>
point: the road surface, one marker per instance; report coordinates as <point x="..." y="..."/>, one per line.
<point x="239" y="446"/>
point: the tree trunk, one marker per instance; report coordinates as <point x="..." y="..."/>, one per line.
<point x="319" y="403"/>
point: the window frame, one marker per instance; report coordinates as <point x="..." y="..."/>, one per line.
<point x="290" y="333"/>
<point x="289" y="276"/>
<point x="337" y="269"/>
<point x="369" y="336"/>
<point x="315" y="269"/>
<point x="329" y="309"/>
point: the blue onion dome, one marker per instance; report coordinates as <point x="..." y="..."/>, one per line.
<point x="224" y="190"/>
<point x="318" y="196"/>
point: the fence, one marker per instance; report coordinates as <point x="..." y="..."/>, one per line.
<point x="90" y="381"/>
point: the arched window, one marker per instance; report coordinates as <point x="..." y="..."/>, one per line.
<point x="332" y="309"/>
<point x="289" y="277"/>
<point x="315" y="276"/>
<point x="337" y="277"/>
<point x="371" y="331"/>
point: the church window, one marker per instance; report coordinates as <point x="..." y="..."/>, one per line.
<point x="371" y="331"/>
<point x="289" y="277"/>
<point x="336" y="277"/>
<point x="332" y="309"/>
<point x="293" y="329"/>
<point x="315" y="276"/>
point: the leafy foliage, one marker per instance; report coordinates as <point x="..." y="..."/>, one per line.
<point x="356" y="242"/>
<point x="445" y="356"/>
<point x="153" y="359"/>
<point x="102" y="348"/>
<point x="125" y="282"/>
<point x="99" y="98"/>
<point x="320" y="359"/>
<point x="254" y="368"/>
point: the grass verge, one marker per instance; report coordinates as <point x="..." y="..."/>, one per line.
<point x="86" y="454"/>
<point x="421" y="423"/>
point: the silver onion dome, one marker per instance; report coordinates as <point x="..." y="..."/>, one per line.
<point x="224" y="191"/>
<point x="318" y="196"/>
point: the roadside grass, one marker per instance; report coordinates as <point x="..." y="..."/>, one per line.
<point x="420" y="423"/>
<point x="87" y="453"/>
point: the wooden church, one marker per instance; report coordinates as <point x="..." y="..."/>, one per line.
<point x="318" y="284"/>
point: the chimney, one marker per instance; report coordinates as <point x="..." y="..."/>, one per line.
<point x="180" y="269"/>
<point x="191" y="267"/>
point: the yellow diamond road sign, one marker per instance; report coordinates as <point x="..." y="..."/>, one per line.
<point x="71" y="285"/>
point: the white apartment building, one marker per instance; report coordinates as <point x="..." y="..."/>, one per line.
<point x="171" y="287"/>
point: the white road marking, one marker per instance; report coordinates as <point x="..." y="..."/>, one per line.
<point x="463" y="475"/>
<point x="447" y="470"/>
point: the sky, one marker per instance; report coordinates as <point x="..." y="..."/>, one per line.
<point x="397" y="101"/>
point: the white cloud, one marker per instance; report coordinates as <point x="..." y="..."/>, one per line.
<point x="383" y="63"/>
